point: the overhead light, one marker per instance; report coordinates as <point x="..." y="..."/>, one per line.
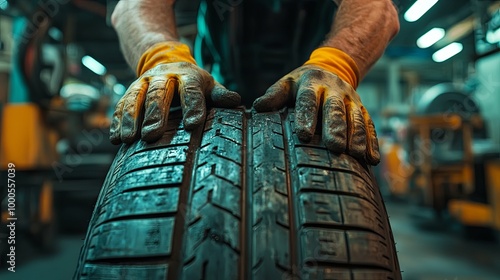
<point x="4" y="4"/>
<point x="447" y="52"/>
<point x="94" y="65"/>
<point x="119" y="89"/>
<point x="431" y="37"/>
<point x="55" y="33"/>
<point x="418" y="9"/>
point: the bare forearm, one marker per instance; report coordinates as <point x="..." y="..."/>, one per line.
<point x="363" y="29"/>
<point x="142" y="23"/>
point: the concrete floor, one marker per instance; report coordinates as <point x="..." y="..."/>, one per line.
<point x="430" y="249"/>
<point x="427" y="251"/>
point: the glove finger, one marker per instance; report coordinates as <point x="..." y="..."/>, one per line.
<point x="306" y="111"/>
<point x="133" y="111"/>
<point x="356" y="131"/>
<point x="372" y="149"/>
<point x="224" y="98"/>
<point x="192" y="103"/>
<point x="158" y="100"/>
<point x="334" y="123"/>
<point x="115" y="128"/>
<point x="275" y="97"/>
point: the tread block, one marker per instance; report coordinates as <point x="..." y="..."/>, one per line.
<point x="224" y="169"/>
<point x="371" y="274"/>
<point x="273" y="133"/>
<point x="276" y="182"/>
<point x="323" y="245"/>
<point x="173" y="137"/>
<point x="350" y="183"/>
<point x="369" y="249"/>
<point x="218" y="192"/>
<point x="320" y="208"/>
<point x="226" y="117"/>
<point x="129" y="272"/>
<point x="316" y="178"/>
<point x="164" y="156"/>
<point x="361" y="213"/>
<point x="147" y="202"/>
<point x="347" y="163"/>
<point x="270" y="208"/>
<point x="215" y="231"/>
<point x="213" y="266"/>
<point x="218" y="131"/>
<point x="132" y="238"/>
<point x="316" y="272"/>
<point x="311" y="179"/>
<point x="157" y="176"/>
<point x="312" y="156"/>
<point x="229" y="151"/>
<point x="271" y="248"/>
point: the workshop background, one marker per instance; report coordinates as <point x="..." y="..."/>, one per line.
<point x="434" y="97"/>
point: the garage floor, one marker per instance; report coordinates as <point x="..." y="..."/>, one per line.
<point x="427" y="250"/>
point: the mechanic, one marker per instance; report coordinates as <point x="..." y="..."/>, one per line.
<point x="324" y="87"/>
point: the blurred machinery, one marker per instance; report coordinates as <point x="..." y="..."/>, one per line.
<point x="454" y="160"/>
<point x="54" y="128"/>
<point x="450" y="163"/>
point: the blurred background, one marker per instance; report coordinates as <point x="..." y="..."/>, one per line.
<point x="434" y="97"/>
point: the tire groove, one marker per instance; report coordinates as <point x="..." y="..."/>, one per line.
<point x="180" y="224"/>
<point x="246" y="199"/>
<point x="292" y="212"/>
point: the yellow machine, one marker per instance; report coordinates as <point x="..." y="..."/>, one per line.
<point x="449" y="163"/>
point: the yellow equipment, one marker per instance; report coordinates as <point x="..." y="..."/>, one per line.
<point x="456" y="168"/>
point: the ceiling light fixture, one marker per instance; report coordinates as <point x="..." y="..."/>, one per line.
<point x="4" y="4"/>
<point x="447" y="52"/>
<point x="431" y="37"/>
<point x="94" y="65"/>
<point x="418" y="9"/>
<point x="119" y="89"/>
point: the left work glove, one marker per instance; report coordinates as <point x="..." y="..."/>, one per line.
<point x="164" y="70"/>
<point x="328" y="78"/>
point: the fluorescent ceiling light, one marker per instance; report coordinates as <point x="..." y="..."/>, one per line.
<point x="418" y="9"/>
<point x="4" y="4"/>
<point x="55" y="33"/>
<point x="119" y="89"/>
<point x="94" y="65"/>
<point x="447" y="52"/>
<point x="430" y="38"/>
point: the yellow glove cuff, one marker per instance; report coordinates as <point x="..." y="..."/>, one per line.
<point x="337" y="62"/>
<point x="165" y="52"/>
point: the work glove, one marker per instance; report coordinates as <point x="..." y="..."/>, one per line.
<point x="164" y="70"/>
<point x="328" y="79"/>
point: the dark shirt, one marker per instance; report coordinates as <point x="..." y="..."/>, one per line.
<point x="256" y="42"/>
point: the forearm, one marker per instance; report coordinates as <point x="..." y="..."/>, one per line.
<point x="142" y="23"/>
<point x="363" y="29"/>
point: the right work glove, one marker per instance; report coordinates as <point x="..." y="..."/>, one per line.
<point x="325" y="86"/>
<point x="166" y="69"/>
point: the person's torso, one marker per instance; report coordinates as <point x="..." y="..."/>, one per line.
<point x="254" y="43"/>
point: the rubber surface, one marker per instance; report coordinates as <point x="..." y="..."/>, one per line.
<point x="240" y="198"/>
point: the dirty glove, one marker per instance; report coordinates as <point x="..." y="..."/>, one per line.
<point x="164" y="70"/>
<point x="327" y="79"/>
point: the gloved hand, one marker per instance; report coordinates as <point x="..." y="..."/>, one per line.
<point x="328" y="78"/>
<point x="164" y="70"/>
